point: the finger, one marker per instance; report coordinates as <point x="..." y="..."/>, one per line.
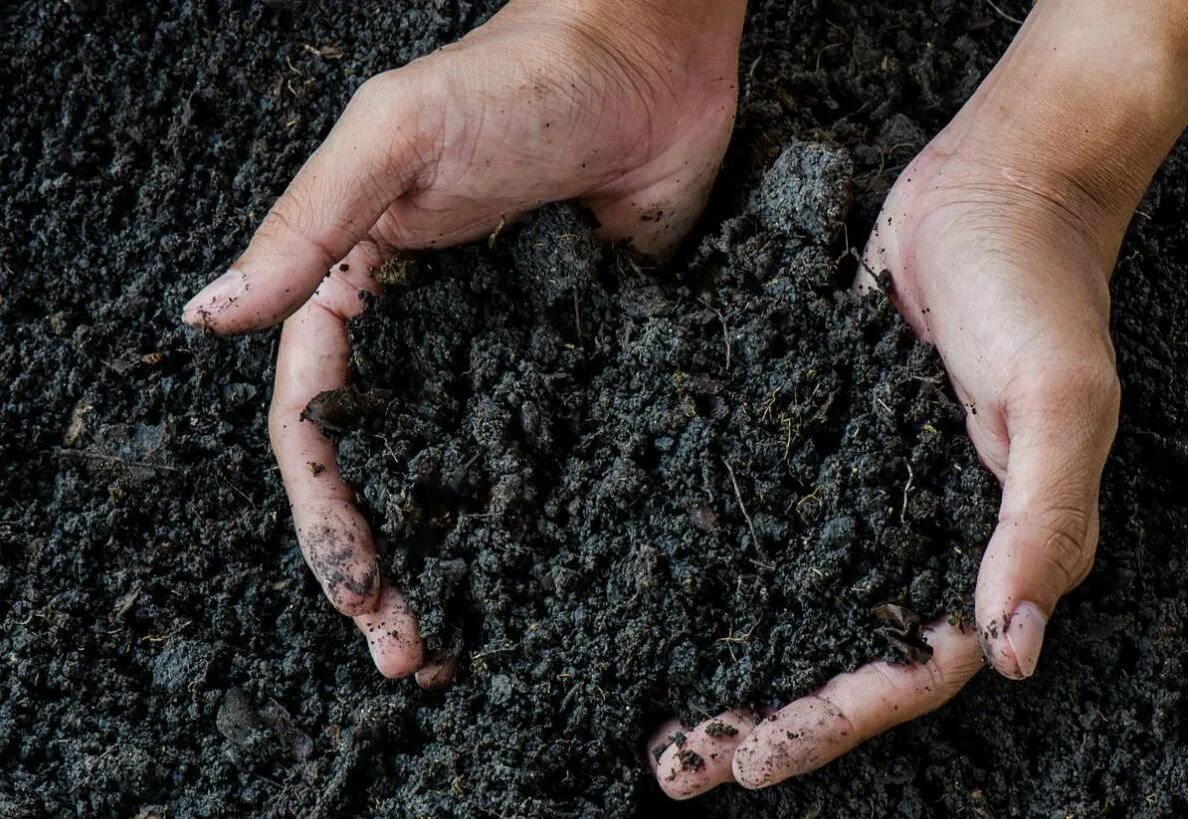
<point x="313" y="357"/>
<point x="852" y="708"/>
<point x="438" y="675"/>
<point x="875" y="258"/>
<point x="371" y="157"/>
<point x="391" y="632"/>
<point x="665" y="735"/>
<point x="1046" y="537"/>
<point x="702" y="759"/>
<point x="882" y="254"/>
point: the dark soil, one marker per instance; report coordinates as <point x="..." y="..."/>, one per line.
<point x="607" y="516"/>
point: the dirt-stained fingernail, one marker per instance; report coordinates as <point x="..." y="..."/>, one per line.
<point x="438" y="674"/>
<point x="215" y="297"/>
<point x="1026" y="636"/>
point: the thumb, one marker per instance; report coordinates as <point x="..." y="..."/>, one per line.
<point x="369" y="159"/>
<point x="1044" y="543"/>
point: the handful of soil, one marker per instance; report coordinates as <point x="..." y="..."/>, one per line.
<point x="618" y="494"/>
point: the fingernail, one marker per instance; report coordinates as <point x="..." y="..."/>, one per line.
<point x="438" y="674"/>
<point x="215" y="297"/>
<point x="1026" y="636"/>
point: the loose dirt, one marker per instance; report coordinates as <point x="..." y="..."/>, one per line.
<point x="615" y="492"/>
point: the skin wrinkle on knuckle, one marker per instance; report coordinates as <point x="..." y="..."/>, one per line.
<point x="892" y="684"/>
<point x="339" y="296"/>
<point x="284" y="416"/>
<point x="1070" y="203"/>
<point x="279" y="415"/>
<point x="1080" y="411"/>
<point x="285" y="223"/>
<point x="410" y="150"/>
<point x="1061" y="540"/>
<point x="938" y="687"/>
<point x="1046" y="487"/>
<point x="1070" y="556"/>
<point x="1036" y="382"/>
<point x="1103" y="389"/>
<point x="1093" y="386"/>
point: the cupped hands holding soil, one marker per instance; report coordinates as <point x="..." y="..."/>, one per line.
<point x="612" y="494"/>
<point x="418" y="161"/>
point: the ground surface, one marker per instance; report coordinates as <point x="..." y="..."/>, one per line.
<point x="568" y="497"/>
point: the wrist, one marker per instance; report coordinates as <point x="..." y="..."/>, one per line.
<point x="1088" y="100"/>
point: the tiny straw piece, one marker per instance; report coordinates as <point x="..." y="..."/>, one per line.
<point x="1003" y="14"/>
<point x="741" y="505"/>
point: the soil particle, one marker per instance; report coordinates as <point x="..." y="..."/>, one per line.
<point x="690" y="760"/>
<point x="806" y="189"/>
<point x="720" y="729"/>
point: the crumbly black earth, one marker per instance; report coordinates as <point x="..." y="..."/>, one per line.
<point x="164" y="651"/>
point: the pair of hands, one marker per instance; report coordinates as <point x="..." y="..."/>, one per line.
<point x="999" y="238"/>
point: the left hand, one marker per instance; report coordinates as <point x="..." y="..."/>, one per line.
<point x="1000" y="238"/>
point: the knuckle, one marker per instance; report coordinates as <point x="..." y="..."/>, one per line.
<point x="291" y="215"/>
<point x="1092" y="384"/>
<point x="340" y="296"/>
<point x="944" y="684"/>
<point x="1064" y="540"/>
<point x="935" y="684"/>
<point x="899" y="691"/>
<point x="1107" y="387"/>
<point x="1091" y="387"/>
<point x="384" y="96"/>
<point x="375" y="90"/>
<point x="890" y="682"/>
<point x="347" y="602"/>
<point x="283" y="417"/>
<point x="392" y="108"/>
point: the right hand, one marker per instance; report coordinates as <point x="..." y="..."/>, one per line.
<point x="627" y="107"/>
<point x="999" y="239"/>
